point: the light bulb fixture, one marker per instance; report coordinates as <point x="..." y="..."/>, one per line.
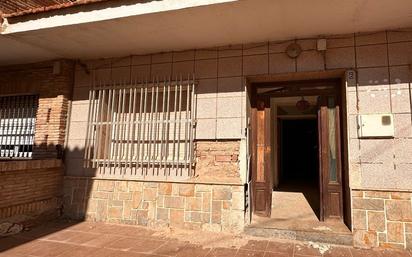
<point x="302" y="104"/>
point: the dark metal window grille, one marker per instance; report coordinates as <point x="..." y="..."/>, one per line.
<point x="141" y="128"/>
<point x="17" y="125"/>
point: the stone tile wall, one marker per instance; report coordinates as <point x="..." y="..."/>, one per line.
<point x="185" y="205"/>
<point x="382" y="219"/>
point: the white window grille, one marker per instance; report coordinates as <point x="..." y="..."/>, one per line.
<point x="17" y="125"/>
<point x="142" y="128"/>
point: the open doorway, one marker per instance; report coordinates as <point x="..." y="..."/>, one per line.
<point x="296" y="163"/>
<point x="299" y="169"/>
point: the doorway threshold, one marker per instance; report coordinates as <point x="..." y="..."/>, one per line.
<point x="329" y="232"/>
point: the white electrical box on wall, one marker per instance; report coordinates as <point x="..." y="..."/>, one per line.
<point x="375" y="126"/>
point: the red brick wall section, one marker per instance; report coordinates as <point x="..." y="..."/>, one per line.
<point x="28" y="189"/>
<point x="54" y="90"/>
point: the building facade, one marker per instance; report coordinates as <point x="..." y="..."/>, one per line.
<point x="225" y="137"/>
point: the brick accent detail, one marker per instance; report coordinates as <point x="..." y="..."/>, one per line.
<point x="29" y="189"/>
<point x="184" y="205"/>
<point x="382" y="219"/>
<point x="217" y="161"/>
<point x="54" y="90"/>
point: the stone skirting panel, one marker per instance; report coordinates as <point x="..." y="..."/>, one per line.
<point x="187" y="205"/>
<point x="382" y="219"/>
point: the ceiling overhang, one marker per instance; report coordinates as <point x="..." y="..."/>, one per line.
<point x="166" y="25"/>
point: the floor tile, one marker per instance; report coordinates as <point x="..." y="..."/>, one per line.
<point x="193" y="250"/>
<point x="365" y="253"/>
<point x="170" y="248"/>
<point x="301" y="249"/>
<point x="276" y="254"/>
<point x="338" y="252"/>
<point x="249" y="253"/>
<point x="280" y="247"/>
<point x="257" y="245"/>
<point x="395" y="253"/>
<point x="222" y="252"/>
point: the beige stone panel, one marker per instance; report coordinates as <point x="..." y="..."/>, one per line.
<point x="74" y="167"/>
<point x="81" y="94"/>
<point x="400" y="76"/>
<point x="359" y="219"/>
<point x="371" y="56"/>
<point x="255" y="65"/>
<point x="354" y="149"/>
<point x="141" y="72"/>
<point x="279" y="46"/>
<point x="403" y="125"/>
<point x="121" y="61"/>
<point x="353" y="126"/>
<point x="141" y="59"/>
<point x="161" y="70"/>
<point x="400" y="53"/>
<point x="255" y="48"/>
<point x="379" y="176"/>
<point x="230" y="67"/>
<point x="79" y="112"/>
<point x="81" y="78"/>
<point x="403" y="150"/>
<point x="340" y="58"/>
<point x="77" y="130"/>
<point x="162" y="57"/>
<point x="184" y="68"/>
<point x="376" y="101"/>
<point x="75" y="145"/>
<point x="230" y="51"/>
<point x="281" y="63"/>
<point x="370" y="38"/>
<point x="352" y="102"/>
<point x="346" y="40"/>
<point x="183" y="55"/>
<point x="400" y="35"/>
<point x="207" y="53"/>
<point x="230" y="87"/>
<point x="395" y="232"/>
<point x="99" y="63"/>
<point x="206" y="129"/>
<point x="310" y="61"/>
<point x="370" y="78"/>
<point x="206" y="88"/>
<point x="229" y="107"/>
<point x="102" y="74"/>
<point x="355" y="176"/>
<point x="206" y="108"/>
<point x="307" y="44"/>
<point x="401" y="101"/>
<point x="228" y="128"/>
<point x="206" y="68"/>
<point x="376" y="150"/>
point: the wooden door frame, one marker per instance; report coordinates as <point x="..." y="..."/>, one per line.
<point x="339" y="74"/>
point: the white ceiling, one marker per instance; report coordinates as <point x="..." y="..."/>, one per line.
<point x="241" y="21"/>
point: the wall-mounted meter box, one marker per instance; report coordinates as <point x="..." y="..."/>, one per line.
<point x="375" y="126"/>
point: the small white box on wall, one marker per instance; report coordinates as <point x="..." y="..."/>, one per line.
<point x="375" y="126"/>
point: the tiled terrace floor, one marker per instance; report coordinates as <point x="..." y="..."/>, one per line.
<point x="61" y="239"/>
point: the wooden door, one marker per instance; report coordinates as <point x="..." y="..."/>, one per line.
<point x="261" y="157"/>
<point x="330" y="164"/>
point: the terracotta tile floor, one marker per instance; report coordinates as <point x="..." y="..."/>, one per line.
<point x="63" y="239"/>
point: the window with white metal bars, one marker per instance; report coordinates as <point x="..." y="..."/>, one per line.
<point x="142" y="128"/>
<point x="17" y="125"/>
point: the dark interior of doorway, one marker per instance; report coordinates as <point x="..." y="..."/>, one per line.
<point x="299" y="160"/>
